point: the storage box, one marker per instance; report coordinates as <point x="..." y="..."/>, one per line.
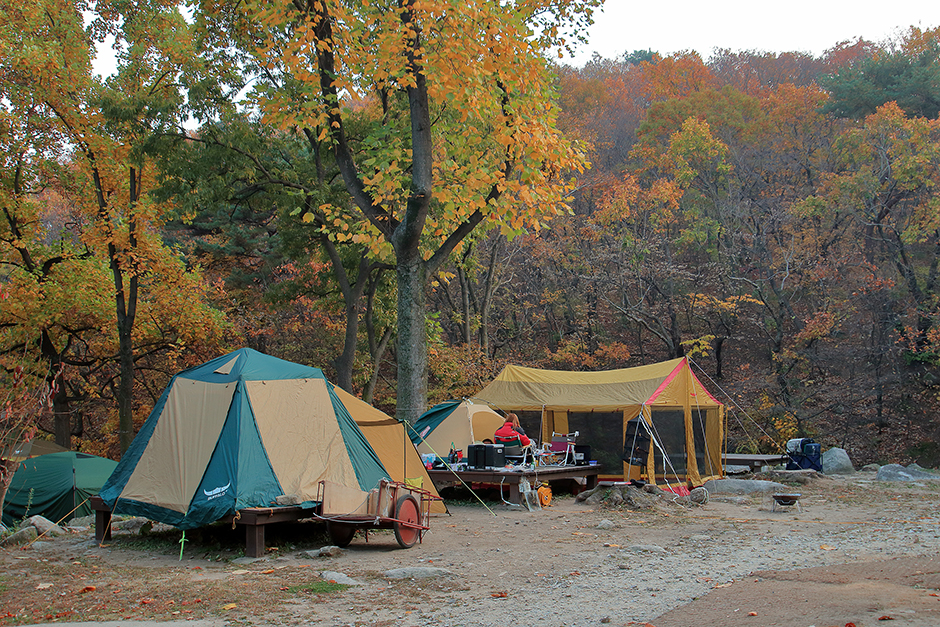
<point x="482" y="456"/>
<point x="582" y="454"/>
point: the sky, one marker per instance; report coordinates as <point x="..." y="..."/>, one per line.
<point x="812" y="26"/>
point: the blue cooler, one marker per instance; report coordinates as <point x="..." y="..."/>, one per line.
<point x="804" y="455"/>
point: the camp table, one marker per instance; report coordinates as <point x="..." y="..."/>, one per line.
<point x="393" y="505"/>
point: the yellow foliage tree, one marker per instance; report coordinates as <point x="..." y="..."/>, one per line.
<point x="462" y="130"/>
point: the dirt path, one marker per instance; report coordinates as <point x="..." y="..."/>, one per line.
<point x="864" y="550"/>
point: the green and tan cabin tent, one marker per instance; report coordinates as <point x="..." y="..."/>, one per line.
<point x="664" y="402"/>
<point x="240" y="431"/>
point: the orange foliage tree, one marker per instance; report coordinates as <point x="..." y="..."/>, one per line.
<point x="95" y="135"/>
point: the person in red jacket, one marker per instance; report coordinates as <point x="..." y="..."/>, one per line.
<point x="511" y="433"/>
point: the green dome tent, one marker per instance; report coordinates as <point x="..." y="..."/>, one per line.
<point x="31" y="448"/>
<point x="238" y="432"/>
<point x="56" y="485"/>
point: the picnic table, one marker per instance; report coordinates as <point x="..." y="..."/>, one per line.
<point x="754" y="462"/>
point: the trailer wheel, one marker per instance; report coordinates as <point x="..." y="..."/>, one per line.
<point x="340" y="534"/>
<point x="407" y="510"/>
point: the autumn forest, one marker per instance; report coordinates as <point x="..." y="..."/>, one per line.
<point x="412" y="195"/>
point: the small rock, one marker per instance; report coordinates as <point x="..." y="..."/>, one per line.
<point x="645" y="548"/>
<point x="417" y="572"/>
<point x="330" y="551"/>
<point x="699" y="496"/>
<point x="129" y="524"/>
<point x="288" y="499"/>
<point x="342" y="578"/>
<point x="82" y="521"/>
<point x="871" y="467"/>
<point x="607" y="524"/>
<point x="245" y="560"/>
<point x="24" y="535"/>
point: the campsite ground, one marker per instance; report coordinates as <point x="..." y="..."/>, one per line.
<point x="860" y="551"/>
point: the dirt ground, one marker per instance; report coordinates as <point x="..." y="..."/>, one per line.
<point x="856" y="552"/>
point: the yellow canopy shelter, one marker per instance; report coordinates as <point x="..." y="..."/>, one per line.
<point x="682" y="423"/>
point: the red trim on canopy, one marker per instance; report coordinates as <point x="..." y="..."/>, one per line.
<point x="701" y="387"/>
<point x="668" y="380"/>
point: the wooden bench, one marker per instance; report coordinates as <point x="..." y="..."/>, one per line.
<point x="754" y="462"/>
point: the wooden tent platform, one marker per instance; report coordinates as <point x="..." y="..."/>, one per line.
<point x="253" y="519"/>
<point x="449" y="478"/>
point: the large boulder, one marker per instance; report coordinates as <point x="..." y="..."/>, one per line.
<point x="24" y="535"/>
<point x="45" y="527"/>
<point x="896" y="472"/>
<point x="835" y="461"/>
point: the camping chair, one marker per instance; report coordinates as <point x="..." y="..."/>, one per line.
<point x="564" y="443"/>
<point x="516" y="454"/>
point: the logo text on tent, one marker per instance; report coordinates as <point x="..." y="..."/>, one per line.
<point x="217" y="492"/>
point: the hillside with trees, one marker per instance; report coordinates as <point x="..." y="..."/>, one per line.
<point x="412" y="199"/>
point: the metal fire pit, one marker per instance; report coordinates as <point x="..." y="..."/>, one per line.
<point x="787" y="500"/>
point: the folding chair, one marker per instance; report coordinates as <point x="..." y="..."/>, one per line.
<point x="564" y="443"/>
<point x="516" y="454"/>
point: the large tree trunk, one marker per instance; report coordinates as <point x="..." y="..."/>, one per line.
<point x="412" y="341"/>
<point x="466" y="315"/>
<point x="61" y="414"/>
<point x="377" y="355"/>
<point x="125" y="396"/>
<point x="352" y="296"/>
<point x="125" y="294"/>
<point x="488" y="289"/>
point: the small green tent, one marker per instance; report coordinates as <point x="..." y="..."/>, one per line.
<point x="238" y="432"/>
<point x="56" y="485"/>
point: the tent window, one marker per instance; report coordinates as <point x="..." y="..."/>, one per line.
<point x="531" y="421"/>
<point x="669" y="427"/>
<point x="603" y="432"/>
<point x="703" y="421"/>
